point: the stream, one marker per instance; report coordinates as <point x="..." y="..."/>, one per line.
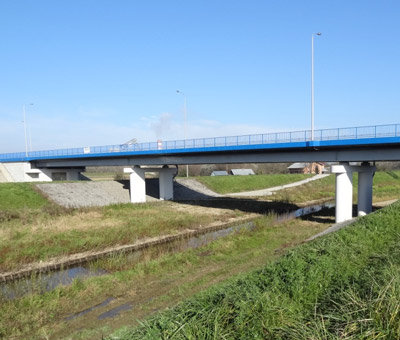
<point x="44" y="282"/>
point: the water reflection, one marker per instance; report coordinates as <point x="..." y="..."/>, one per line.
<point x="45" y="282"/>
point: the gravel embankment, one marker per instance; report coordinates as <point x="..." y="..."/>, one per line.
<point x="86" y="194"/>
<point x="90" y="194"/>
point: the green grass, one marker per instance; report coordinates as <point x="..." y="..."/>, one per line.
<point x="17" y="196"/>
<point x="316" y="190"/>
<point x="49" y="233"/>
<point x="343" y="286"/>
<point x="230" y="184"/>
<point x="33" y="229"/>
<point x="386" y="186"/>
<point x="161" y="279"/>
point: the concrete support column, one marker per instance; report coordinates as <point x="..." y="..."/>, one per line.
<point x="365" y="177"/>
<point x="344" y="189"/>
<point x="137" y="184"/>
<point x="166" y="184"/>
<point x="344" y="192"/>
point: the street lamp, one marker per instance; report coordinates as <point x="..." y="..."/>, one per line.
<point x="26" y="138"/>
<point x="184" y="124"/>
<point x="312" y="83"/>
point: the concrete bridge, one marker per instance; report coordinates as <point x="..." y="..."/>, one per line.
<point x="363" y="144"/>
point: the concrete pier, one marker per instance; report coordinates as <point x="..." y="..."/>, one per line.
<point x="344" y="192"/>
<point x="138" y="184"/>
<point x="365" y="178"/>
<point x="344" y="189"/>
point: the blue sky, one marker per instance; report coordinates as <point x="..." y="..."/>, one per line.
<point x="102" y="72"/>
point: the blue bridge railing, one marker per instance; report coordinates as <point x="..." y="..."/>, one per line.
<point x="339" y="134"/>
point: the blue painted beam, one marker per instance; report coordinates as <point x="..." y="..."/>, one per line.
<point x="338" y="139"/>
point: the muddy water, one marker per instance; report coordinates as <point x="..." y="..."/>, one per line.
<point x="46" y="282"/>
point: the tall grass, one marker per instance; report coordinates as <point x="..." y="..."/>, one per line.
<point x="52" y="235"/>
<point x="157" y="280"/>
<point x="343" y="286"/>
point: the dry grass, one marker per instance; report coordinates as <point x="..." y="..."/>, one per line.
<point x="81" y="230"/>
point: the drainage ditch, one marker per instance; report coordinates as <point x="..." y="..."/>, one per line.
<point x="64" y="275"/>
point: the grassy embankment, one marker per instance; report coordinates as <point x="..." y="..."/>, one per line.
<point x="153" y="284"/>
<point x="33" y="229"/>
<point x="386" y="186"/>
<point x="167" y="279"/>
<point x="19" y="196"/>
<point x="343" y="286"/>
<point x="230" y="184"/>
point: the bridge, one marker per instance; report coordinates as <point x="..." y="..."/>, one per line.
<point x="363" y="144"/>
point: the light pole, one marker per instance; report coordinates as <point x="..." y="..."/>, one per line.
<point x="184" y="124"/>
<point x="26" y="138"/>
<point x="312" y="83"/>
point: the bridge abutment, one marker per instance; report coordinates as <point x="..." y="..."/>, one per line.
<point x="344" y="189"/>
<point x="27" y="172"/>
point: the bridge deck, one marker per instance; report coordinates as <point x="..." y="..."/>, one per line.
<point x="340" y="138"/>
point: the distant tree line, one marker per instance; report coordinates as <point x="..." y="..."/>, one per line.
<point x="258" y="168"/>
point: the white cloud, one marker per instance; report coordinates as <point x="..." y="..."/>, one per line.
<point x="62" y="132"/>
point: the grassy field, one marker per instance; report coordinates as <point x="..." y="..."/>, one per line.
<point x="343" y="286"/>
<point x="47" y="233"/>
<point x="230" y="184"/>
<point x="159" y="281"/>
<point x="386" y="186"/>
<point x="17" y="196"/>
<point x="33" y="229"/>
<point x="106" y="176"/>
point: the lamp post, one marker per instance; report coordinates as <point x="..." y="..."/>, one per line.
<point x="184" y="124"/>
<point x="26" y="137"/>
<point x="312" y="83"/>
